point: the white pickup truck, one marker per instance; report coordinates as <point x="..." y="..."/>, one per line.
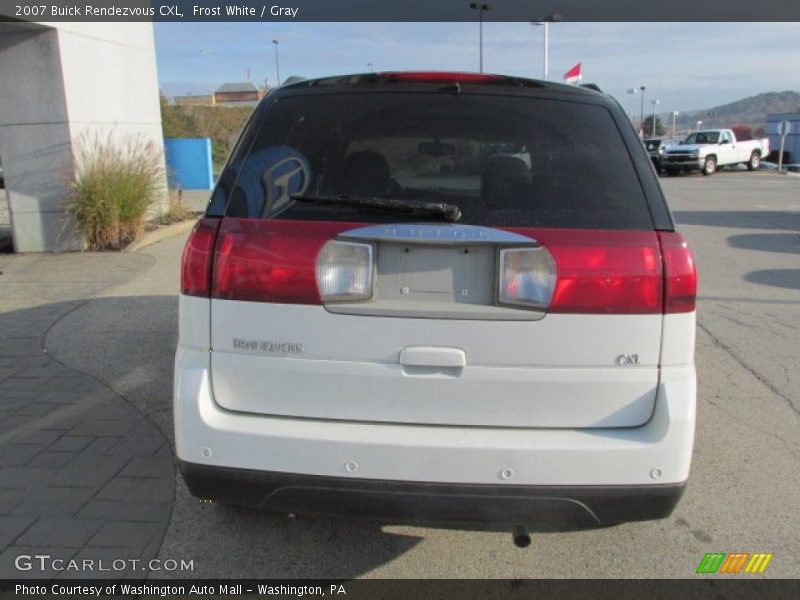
<point x="710" y="149"/>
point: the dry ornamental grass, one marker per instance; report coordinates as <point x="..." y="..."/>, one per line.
<point x="116" y="181"/>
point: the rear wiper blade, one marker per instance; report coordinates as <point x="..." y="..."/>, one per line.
<point x="448" y="212"/>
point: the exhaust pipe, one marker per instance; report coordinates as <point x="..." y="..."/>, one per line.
<point x="520" y="537"/>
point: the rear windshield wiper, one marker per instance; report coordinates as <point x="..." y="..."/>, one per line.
<point x="447" y="212"/>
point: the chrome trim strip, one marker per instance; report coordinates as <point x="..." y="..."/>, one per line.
<point x="436" y="234"/>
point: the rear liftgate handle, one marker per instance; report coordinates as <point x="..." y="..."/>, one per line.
<point x="432" y="359"/>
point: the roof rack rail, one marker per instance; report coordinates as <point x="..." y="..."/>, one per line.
<point x="592" y="86"/>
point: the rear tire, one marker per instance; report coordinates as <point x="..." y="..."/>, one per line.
<point x="710" y="166"/>
<point x="754" y="162"/>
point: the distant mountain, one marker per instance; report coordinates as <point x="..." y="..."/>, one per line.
<point x="751" y="111"/>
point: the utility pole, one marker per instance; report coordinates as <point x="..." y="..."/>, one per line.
<point x="277" y="64"/>
<point x="480" y="7"/>
<point x="545" y="22"/>
<point x="641" y="113"/>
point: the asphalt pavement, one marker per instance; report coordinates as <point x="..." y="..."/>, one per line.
<point x="742" y="497"/>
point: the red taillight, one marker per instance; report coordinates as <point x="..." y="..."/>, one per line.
<point x="609" y="272"/>
<point x="270" y="261"/>
<point x="197" y="257"/>
<point x="597" y="272"/>
<point x="440" y="77"/>
<point x="680" y="273"/>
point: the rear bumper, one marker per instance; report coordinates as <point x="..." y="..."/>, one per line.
<point x="416" y="472"/>
<point x="417" y="502"/>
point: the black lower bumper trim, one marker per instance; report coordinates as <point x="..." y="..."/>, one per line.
<point x="419" y="502"/>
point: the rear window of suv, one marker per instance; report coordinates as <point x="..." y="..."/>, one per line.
<point x="505" y="161"/>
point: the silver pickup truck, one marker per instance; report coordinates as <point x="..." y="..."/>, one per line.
<point x="710" y="149"/>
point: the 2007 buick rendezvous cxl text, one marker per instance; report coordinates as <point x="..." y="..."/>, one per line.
<point x="438" y="297"/>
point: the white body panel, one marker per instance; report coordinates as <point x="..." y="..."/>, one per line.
<point x="558" y="340"/>
<point x="677" y="340"/>
<point x="560" y="371"/>
<point x="657" y="452"/>
<point x="194" y="316"/>
<point x="474" y="395"/>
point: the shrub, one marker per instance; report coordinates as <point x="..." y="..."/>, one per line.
<point x="176" y="209"/>
<point x="116" y="182"/>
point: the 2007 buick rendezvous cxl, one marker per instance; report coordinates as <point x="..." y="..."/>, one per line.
<point x="438" y="297"/>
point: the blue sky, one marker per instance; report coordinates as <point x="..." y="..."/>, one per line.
<point x="684" y="65"/>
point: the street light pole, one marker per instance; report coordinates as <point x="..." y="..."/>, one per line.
<point x="641" y="113"/>
<point x="546" y="48"/>
<point x="631" y="94"/>
<point x="697" y="127"/>
<point x="675" y="113"/>
<point x="277" y="64"/>
<point x="480" y="7"/>
<point x="545" y="22"/>
<point x="655" y="103"/>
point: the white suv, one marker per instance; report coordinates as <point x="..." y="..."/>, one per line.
<point x="368" y="329"/>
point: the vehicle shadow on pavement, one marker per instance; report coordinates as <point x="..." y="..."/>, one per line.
<point x="740" y="219"/>
<point x="787" y="243"/>
<point x="782" y="278"/>
<point x="231" y="541"/>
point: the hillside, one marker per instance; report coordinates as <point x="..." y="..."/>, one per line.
<point x="751" y="111"/>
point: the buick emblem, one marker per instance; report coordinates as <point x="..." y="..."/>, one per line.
<point x="285" y="177"/>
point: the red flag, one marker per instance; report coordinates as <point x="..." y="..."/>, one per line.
<point x="573" y="75"/>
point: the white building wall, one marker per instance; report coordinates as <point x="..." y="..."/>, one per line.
<point x="68" y="81"/>
<point x="35" y="142"/>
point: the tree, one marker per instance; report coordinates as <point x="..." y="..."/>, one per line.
<point x="742" y="132"/>
<point x="648" y="126"/>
